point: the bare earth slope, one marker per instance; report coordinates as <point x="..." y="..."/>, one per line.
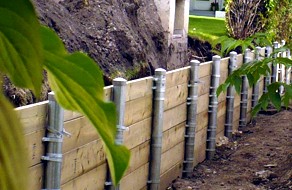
<point x="118" y="35"/>
<point x="125" y="38"/>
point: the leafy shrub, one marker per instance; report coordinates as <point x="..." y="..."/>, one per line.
<point x="279" y="19"/>
<point x="244" y="18"/>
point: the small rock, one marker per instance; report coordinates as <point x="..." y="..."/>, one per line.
<point x="208" y="171"/>
<point x="237" y="133"/>
<point x="222" y="184"/>
<point x="222" y="141"/>
<point x="262" y="173"/>
<point x="272" y="176"/>
<point x="270" y="165"/>
<point x="264" y="176"/>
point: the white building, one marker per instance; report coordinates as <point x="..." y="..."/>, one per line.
<point x="174" y="15"/>
<point x="204" y="4"/>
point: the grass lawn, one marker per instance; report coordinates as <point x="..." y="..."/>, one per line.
<point x="206" y="28"/>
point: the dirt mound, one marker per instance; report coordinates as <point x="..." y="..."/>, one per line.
<point x="121" y="36"/>
<point x="261" y="159"/>
<point x="125" y="38"/>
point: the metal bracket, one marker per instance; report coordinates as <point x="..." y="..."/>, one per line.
<point x="53" y="157"/>
<point x="232" y="67"/>
<point x="59" y="133"/>
<point x="123" y="128"/>
<point x="188" y="161"/>
<point x="190" y="136"/>
<point x="153" y="181"/>
<point x="108" y="183"/>
<point x="67" y="134"/>
<point x="52" y="139"/>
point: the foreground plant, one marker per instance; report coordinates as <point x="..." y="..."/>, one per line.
<point x="228" y="44"/>
<point x="26" y="48"/>
<point x="254" y="71"/>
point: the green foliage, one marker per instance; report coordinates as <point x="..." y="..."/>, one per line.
<point x="26" y="48"/>
<point x="244" y="18"/>
<point x="80" y="88"/>
<point x="13" y="161"/>
<point x="279" y="19"/>
<point x="254" y="70"/>
<point x="273" y="17"/>
<point x="206" y="28"/>
<point x="20" y="43"/>
<point x="228" y="44"/>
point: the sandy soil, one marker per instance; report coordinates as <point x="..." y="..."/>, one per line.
<point x="258" y="160"/>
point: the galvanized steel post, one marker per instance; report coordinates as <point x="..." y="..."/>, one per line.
<point x="190" y="131"/>
<point x="288" y="69"/>
<point x="119" y="98"/>
<point x="282" y="69"/>
<point x="267" y="79"/>
<point x="230" y="97"/>
<point x="213" y="108"/>
<point x="275" y="67"/>
<point x="120" y="102"/>
<point x="157" y="124"/>
<point x="54" y="139"/>
<point x="255" y="88"/>
<point x="244" y="94"/>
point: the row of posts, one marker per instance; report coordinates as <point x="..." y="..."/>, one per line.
<point x="55" y="130"/>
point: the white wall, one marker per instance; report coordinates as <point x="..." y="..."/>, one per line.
<point x="168" y="11"/>
<point x="204" y="5"/>
<point x="174" y="15"/>
<point x="201" y="5"/>
<point x="220" y="14"/>
<point x="163" y="8"/>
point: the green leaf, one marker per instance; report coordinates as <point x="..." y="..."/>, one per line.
<point x="263" y="103"/>
<point x="237" y="83"/>
<point x="285" y="61"/>
<point x="256" y="109"/>
<point x="250" y="78"/>
<point x="20" y="46"/>
<point x="276" y="100"/>
<point x="13" y="163"/>
<point x="274" y="95"/>
<point x="222" y="88"/>
<point x="287" y="95"/>
<point x="78" y="85"/>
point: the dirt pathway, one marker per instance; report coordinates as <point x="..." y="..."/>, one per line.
<point x="260" y="159"/>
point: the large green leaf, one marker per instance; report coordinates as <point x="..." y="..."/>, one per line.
<point x="78" y="85"/>
<point x="287" y="95"/>
<point x="274" y="95"/>
<point x="13" y="163"/>
<point x="20" y="45"/>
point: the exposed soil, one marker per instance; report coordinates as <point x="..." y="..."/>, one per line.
<point x="120" y="36"/>
<point x="125" y="38"/>
<point x="199" y="50"/>
<point x="260" y="159"/>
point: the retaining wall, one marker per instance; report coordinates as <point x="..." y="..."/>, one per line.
<point x="84" y="161"/>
